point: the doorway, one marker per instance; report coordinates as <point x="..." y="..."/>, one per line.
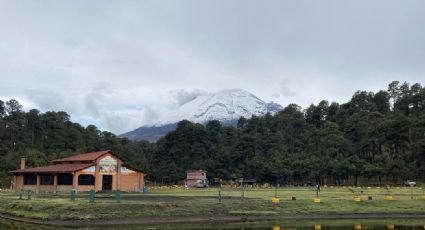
<point x="106" y="182"/>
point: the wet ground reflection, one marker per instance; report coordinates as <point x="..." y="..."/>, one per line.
<point x="386" y="224"/>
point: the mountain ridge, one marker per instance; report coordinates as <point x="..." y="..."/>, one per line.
<point x="226" y="106"/>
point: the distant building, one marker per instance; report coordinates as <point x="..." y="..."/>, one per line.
<point x="196" y="178"/>
<point x="99" y="171"/>
<point x="248" y="182"/>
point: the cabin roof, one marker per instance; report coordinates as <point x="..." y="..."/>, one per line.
<point x="73" y="163"/>
<point x="84" y="157"/>
<point x="196" y="171"/>
<point x="57" y="168"/>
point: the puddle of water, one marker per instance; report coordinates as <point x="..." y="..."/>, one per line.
<point x="387" y="224"/>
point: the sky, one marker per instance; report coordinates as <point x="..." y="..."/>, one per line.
<point x="122" y="64"/>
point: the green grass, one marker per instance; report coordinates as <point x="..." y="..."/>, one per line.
<point x="204" y="202"/>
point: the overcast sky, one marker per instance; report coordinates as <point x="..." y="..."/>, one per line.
<point x="120" y="64"/>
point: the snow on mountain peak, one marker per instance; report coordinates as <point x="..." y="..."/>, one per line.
<point x="225" y="105"/>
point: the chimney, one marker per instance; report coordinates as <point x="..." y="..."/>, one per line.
<point x="22" y="162"/>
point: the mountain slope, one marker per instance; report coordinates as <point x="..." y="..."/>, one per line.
<point x="149" y="133"/>
<point x="226" y="106"/>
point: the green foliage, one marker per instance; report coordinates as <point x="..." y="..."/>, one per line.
<point x="372" y="135"/>
<point x="42" y="137"/>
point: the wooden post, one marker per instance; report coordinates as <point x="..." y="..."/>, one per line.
<point x="75" y="181"/>
<point x="118" y="196"/>
<point x="19" y="184"/>
<point x="37" y="187"/>
<point x="140" y="182"/>
<point x="142" y="178"/>
<point x="72" y="195"/>
<point x="97" y="179"/>
<point x="119" y="175"/>
<point x="15" y="183"/>
<point x="55" y="183"/>
<point x="91" y="196"/>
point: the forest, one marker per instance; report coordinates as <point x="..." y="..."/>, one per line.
<point x="375" y="138"/>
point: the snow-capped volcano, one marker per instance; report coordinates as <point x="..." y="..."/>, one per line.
<point x="226" y="106"/>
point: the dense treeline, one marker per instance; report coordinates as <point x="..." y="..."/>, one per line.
<point x="375" y="137"/>
<point x="42" y="137"/>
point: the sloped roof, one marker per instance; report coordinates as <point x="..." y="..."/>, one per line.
<point x="58" y="168"/>
<point x="135" y="169"/>
<point x="72" y="164"/>
<point x="83" y="157"/>
<point x="195" y="171"/>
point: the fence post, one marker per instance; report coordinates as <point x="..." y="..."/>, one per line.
<point x="242" y="194"/>
<point x="118" y="196"/>
<point x="91" y="196"/>
<point x="219" y="195"/>
<point x="72" y="195"/>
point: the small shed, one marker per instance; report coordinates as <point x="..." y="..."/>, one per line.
<point x="247" y="182"/>
<point x="196" y="178"/>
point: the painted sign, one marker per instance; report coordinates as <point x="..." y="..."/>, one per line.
<point x="108" y="165"/>
<point x="90" y="169"/>
<point x="125" y="170"/>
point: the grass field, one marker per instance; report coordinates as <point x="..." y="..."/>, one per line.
<point x="165" y="202"/>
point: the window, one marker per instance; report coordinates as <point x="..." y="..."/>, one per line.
<point x="30" y="179"/>
<point x="85" y="179"/>
<point x="65" y="179"/>
<point x="46" y="179"/>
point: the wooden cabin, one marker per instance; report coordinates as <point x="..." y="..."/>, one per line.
<point x="100" y="171"/>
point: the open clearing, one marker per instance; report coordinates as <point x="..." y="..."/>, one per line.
<point x="177" y="202"/>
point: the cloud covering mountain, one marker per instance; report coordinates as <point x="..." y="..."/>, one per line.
<point x="226" y="106"/>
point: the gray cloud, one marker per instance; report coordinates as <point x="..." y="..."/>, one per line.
<point x="122" y="64"/>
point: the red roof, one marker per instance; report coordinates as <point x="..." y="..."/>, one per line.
<point x="71" y="164"/>
<point x="58" y="168"/>
<point x="83" y="157"/>
<point x="196" y="171"/>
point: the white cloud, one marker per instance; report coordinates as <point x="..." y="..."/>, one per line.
<point x="183" y="96"/>
<point x="124" y="64"/>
